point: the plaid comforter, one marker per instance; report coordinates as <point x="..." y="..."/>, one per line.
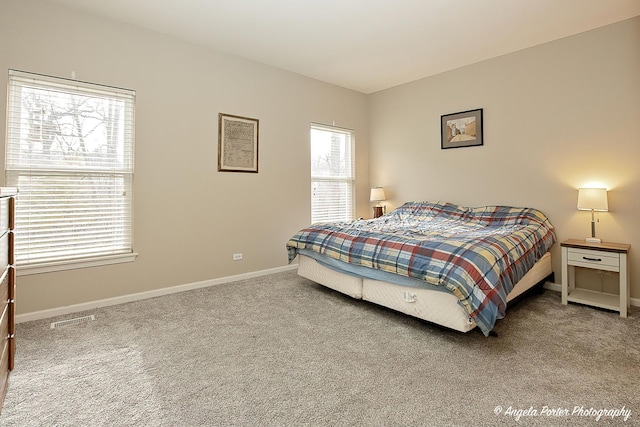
<point x="478" y="254"/>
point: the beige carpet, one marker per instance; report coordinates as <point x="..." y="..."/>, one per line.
<point x="282" y="351"/>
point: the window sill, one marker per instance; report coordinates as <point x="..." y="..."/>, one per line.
<point x="48" y="267"/>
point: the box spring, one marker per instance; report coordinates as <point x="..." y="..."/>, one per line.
<point x="434" y="306"/>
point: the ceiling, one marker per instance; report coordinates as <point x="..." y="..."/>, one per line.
<point x="365" y="45"/>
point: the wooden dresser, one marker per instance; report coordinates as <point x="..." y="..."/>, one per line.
<point x="7" y="287"/>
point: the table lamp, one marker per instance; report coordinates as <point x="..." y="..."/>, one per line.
<point x="593" y="199"/>
<point x="377" y="195"/>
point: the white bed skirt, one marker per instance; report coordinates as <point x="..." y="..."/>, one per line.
<point x="434" y="306"/>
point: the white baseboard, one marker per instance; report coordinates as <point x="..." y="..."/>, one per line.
<point x="553" y="286"/>
<point x="558" y="288"/>
<point x="76" y="308"/>
<point x="59" y="311"/>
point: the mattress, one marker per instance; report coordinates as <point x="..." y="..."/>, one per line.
<point x="440" y="307"/>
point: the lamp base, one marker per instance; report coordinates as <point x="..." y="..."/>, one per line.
<point x="592" y="240"/>
<point x="377" y="211"/>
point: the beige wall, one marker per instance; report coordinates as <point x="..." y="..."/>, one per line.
<point x="189" y="218"/>
<point x="556" y="117"/>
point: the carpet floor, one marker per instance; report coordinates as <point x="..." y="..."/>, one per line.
<point x="280" y="350"/>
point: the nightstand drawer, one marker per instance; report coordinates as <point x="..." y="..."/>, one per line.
<point x="594" y="259"/>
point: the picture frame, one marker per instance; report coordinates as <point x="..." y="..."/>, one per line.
<point x="237" y="143"/>
<point x="463" y="129"/>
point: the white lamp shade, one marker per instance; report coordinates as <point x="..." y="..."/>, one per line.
<point x="592" y="199"/>
<point x="377" y="194"/>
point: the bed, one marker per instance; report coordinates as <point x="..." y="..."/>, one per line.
<point x="451" y="265"/>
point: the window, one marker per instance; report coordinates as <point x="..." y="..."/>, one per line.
<point x="70" y="154"/>
<point x="332" y="174"/>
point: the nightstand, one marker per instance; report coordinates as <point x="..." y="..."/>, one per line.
<point x="599" y="256"/>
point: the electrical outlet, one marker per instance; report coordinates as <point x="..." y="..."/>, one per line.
<point x="237" y="257"/>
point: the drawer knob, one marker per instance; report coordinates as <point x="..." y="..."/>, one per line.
<point x="591" y="259"/>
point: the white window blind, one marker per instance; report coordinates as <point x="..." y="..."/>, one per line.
<point x="69" y="152"/>
<point x="332" y="174"/>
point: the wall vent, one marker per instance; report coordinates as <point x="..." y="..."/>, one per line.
<point x="73" y="321"/>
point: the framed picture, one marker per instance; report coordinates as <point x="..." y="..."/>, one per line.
<point x="461" y="129"/>
<point x="237" y="143"/>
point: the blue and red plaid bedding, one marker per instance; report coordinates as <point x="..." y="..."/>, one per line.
<point x="478" y="254"/>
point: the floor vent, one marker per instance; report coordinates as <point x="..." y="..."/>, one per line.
<point x="73" y="321"/>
